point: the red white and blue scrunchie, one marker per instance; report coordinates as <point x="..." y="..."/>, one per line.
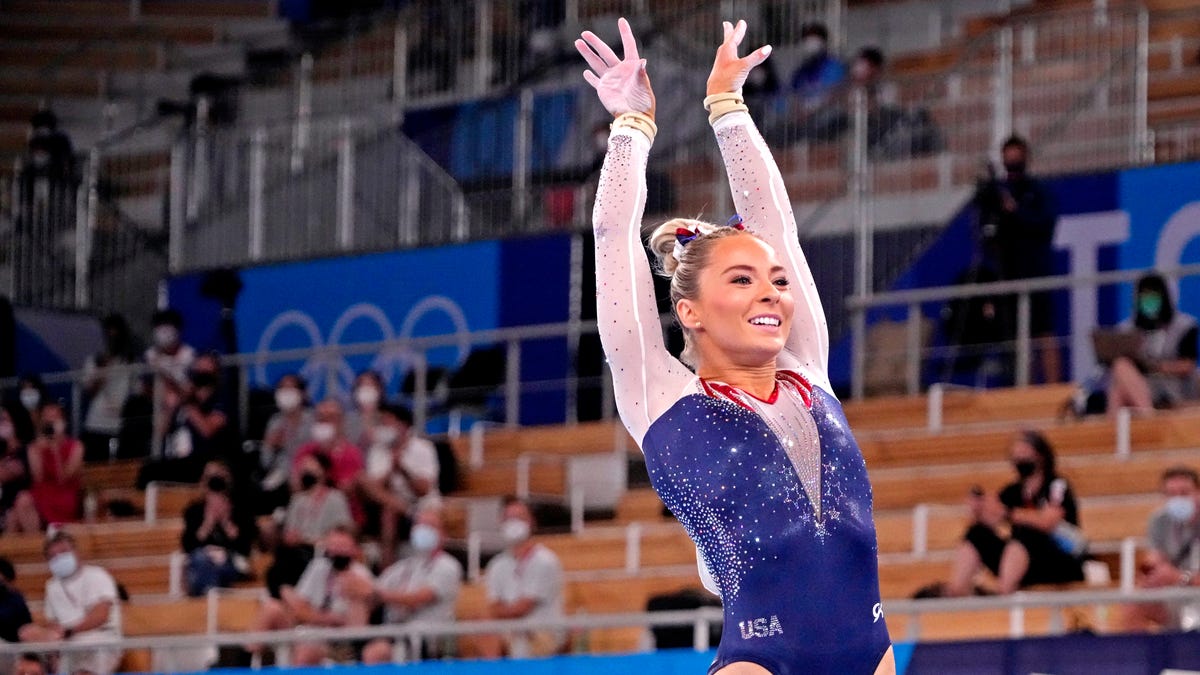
<point x="685" y="236"/>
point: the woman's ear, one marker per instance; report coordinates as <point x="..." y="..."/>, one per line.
<point x="689" y="316"/>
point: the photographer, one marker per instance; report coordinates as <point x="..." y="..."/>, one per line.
<point x="1017" y="216"/>
<point x="55" y="462"/>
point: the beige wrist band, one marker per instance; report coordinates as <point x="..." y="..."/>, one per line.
<point x="636" y="120"/>
<point x="719" y="105"/>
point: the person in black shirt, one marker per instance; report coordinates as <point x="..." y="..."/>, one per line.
<point x="1163" y="373"/>
<point x="14" y="613"/>
<point x="1017" y="217"/>
<point x="1043" y="543"/>
<point x="217" y="534"/>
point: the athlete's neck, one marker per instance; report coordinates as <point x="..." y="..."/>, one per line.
<point x="758" y="381"/>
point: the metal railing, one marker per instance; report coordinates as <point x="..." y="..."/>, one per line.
<point x="414" y="634"/>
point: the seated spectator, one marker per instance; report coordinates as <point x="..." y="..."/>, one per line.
<point x="55" y="463"/>
<point x="422" y="587"/>
<point x="287" y="430"/>
<point x="81" y="605"/>
<point x="335" y="590"/>
<point x="820" y="72"/>
<point x="402" y="470"/>
<point x="30" y="392"/>
<point x="108" y="390"/>
<point x="1163" y="373"/>
<point x="14" y="477"/>
<point x="316" y="508"/>
<point x="169" y="358"/>
<point x="523" y="581"/>
<point x="217" y="534"/>
<point x="1040" y="509"/>
<point x="30" y="664"/>
<point x="1174" y="556"/>
<point x="363" y="418"/>
<point x="14" y="612"/>
<point x="345" y="459"/>
<point x="198" y="430"/>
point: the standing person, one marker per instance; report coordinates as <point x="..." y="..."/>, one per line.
<point x="1018" y="215"/>
<point x="750" y="451"/>
<point x="14" y="478"/>
<point x="169" y="359"/>
<point x="402" y="473"/>
<point x="363" y="418"/>
<point x="1174" y="556"/>
<point x="217" y="534"/>
<point x="81" y="605"/>
<point x="525" y="581"/>
<point x="107" y="389"/>
<point x="422" y="587"/>
<point x="55" y="464"/>
<point x="1040" y="510"/>
<point x="287" y="431"/>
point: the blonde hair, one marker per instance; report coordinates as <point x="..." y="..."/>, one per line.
<point x="684" y="269"/>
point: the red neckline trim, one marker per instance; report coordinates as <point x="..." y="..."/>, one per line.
<point x="788" y="378"/>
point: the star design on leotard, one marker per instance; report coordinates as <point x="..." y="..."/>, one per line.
<point x="793" y="492"/>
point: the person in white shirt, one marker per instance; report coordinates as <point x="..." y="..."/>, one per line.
<point x="335" y="590"/>
<point x="81" y="605"/>
<point x="402" y="475"/>
<point x="422" y="587"/>
<point x="525" y="581"/>
<point x="170" y="359"/>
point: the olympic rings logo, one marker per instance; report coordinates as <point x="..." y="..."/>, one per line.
<point x="325" y="366"/>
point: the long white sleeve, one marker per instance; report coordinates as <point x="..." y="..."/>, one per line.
<point x="761" y="198"/>
<point x="647" y="380"/>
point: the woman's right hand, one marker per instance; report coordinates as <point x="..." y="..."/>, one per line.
<point x="729" y="72"/>
<point x="622" y="84"/>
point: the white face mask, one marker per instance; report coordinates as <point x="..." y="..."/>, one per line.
<point x="288" y="399"/>
<point x="1181" y="509"/>
<point x="385" y="435"/>
<point x="165" y="337"/>
<point x="424" y="538"/>
<point x="366" y="397"/>
<point x="63" y="565"/>
<point x="323" y="432"/>
<point x="812" y="46"/>
<point x="514" y="531"/>
<point x="30" y="398"/>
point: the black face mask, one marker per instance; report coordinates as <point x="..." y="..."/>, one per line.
<point x="204" y="380"/>
<point x="308" y="480"/>
<point x="217" y="483"/>
<point x="1025" y="468"/>
<point x="48" y="430"/>
<point x="340" y="563"/>
<point x="1015" y="169"/>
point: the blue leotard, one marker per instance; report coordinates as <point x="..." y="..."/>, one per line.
<point x="774" y="493"/>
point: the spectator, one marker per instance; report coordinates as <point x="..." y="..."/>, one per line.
<point x="217" y="534"/>
<point x="402" y="470"/>
<point x="14" y="474"/>
<point x="55" y="464"/>
<point x="820" y="72"/>
<point x="287" y="430"/>
<point x="335" y="590"/>
<point x="1040" y="508"/>
<point x="524" y="581"/>
<point x="169" y="358"/>
<point x="346" y="460"/>
<point x="14" y="613"/>
<point x="108" y="390"/>
<point x="198" y="428"/>
<point x="30" y="392"/>
<point x="29" y="664"/>
<point x="81" y="605"/>
<point x="1017" y="216"/>
<point x="421" y="587"/>
<point x="1163" y="373"/>
<point x="1174" y="555"/>
<point x="362" y="420"/>
<point x="50" y="150"/>
<point x="315" y="509"/>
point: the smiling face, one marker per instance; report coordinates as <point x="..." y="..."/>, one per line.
<point x="742" y="313"/>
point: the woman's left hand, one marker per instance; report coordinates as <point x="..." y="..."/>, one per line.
<point x="729" y="72"/>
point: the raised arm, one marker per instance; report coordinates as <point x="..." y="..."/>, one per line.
<point x="761" y="198"/>
<point x="646" y="378"/>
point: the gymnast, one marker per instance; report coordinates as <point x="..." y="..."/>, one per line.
<point x="743" y="439"/>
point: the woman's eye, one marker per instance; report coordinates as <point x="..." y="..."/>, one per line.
<point x="781" y="282"/>
<point x="742" y="280"/>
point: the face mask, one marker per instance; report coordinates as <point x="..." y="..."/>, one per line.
<point x="1150" y="305"/>
<point x="309" y="480"/>
<point x="51" y="429"/>
<point x="63" y="565"/>
<point x="340" y="563"/>
<point x="287" y="399"/>
<point x="1015" y="168"/>
<point x="218" y="483"/>
<point x="165" y="336"/>
<point x="812" y="46"/>
<point x="30" y="398"/>
<point x="200" y="380"/>
<point x="385" y="435"/>
<point x="860" y="71"/>
<point x="514" y="531"/>
<point x="366" y="397"/>
<point x="424" y="538"/>
<point x="323" y="432"/>
<point x="1181" y="509"/>
<point x="1025" y="468"/>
